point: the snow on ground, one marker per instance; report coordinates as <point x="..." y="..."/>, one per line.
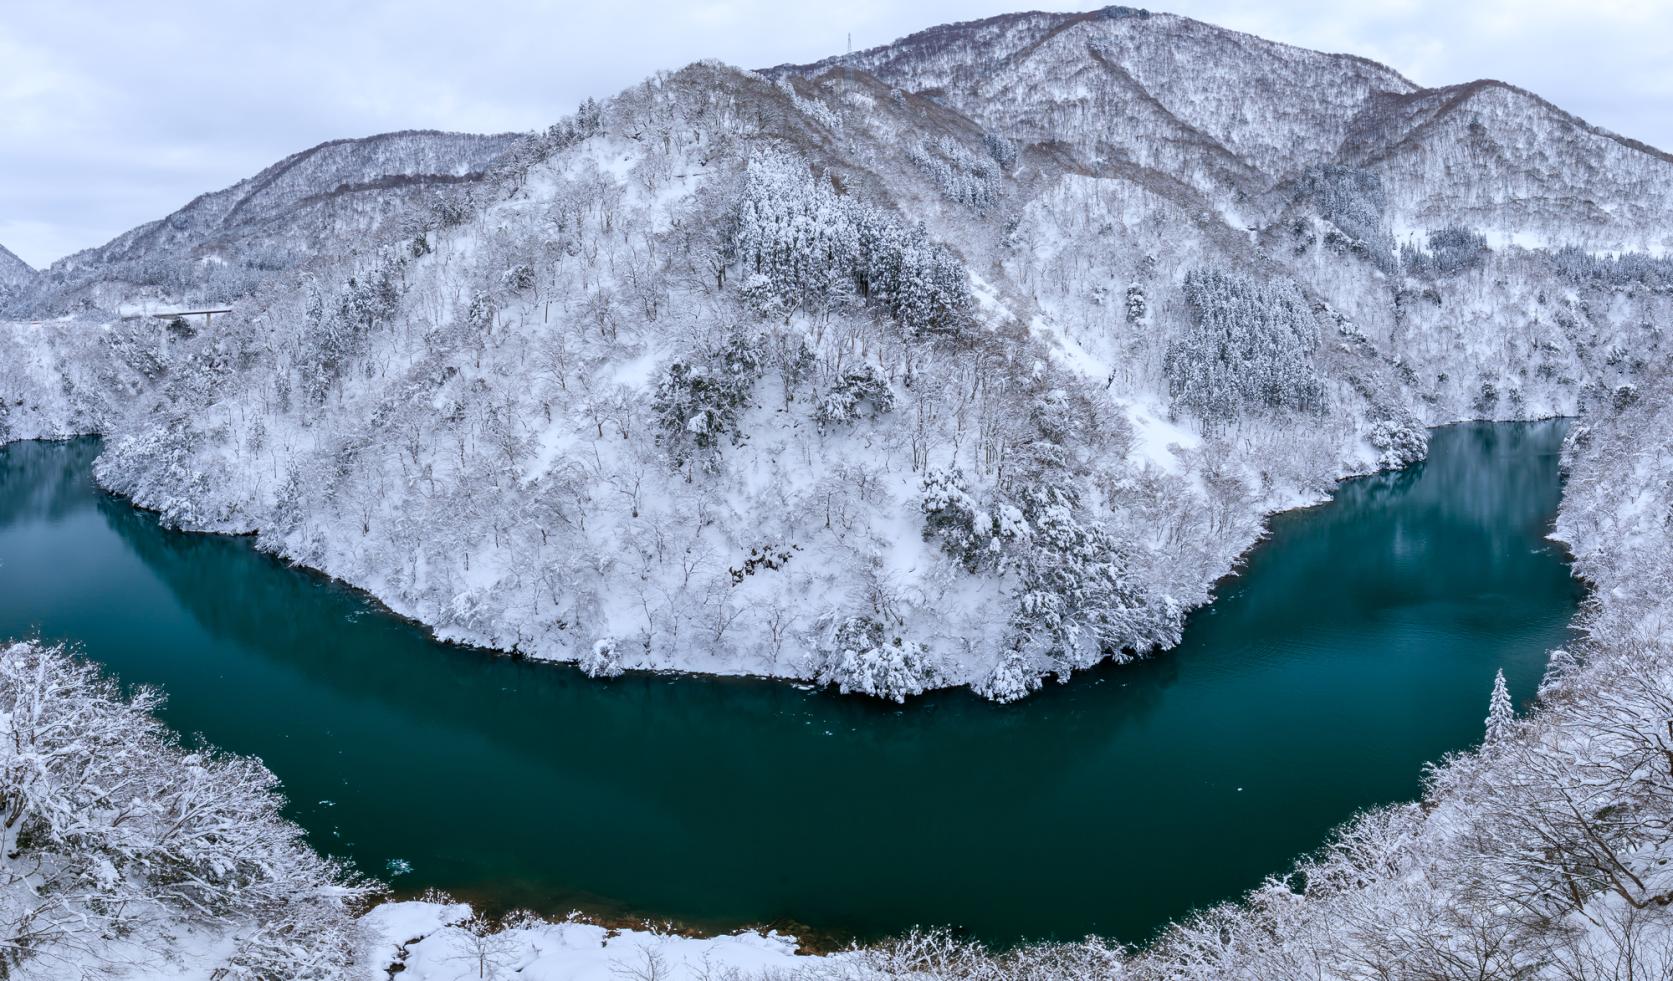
<point x="1156" y="439"/>
<point x="436" y="942"/>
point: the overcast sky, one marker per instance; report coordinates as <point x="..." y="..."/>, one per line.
<point x="116" y="113"/>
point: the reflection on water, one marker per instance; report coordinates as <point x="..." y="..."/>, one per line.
<point x="1360" y="642"/>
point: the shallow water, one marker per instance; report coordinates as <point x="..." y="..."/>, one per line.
<point x="1359" y="642"/>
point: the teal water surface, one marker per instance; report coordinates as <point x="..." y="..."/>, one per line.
<point x="1359" y="642"/>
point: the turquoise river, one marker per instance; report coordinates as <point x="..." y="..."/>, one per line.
<point x="1359" y="641"/>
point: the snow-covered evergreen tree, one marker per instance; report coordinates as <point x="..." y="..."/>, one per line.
<point x="1249" y="348"/>
<point x="1501" y="714"/>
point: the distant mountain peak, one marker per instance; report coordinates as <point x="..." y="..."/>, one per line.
<point x="1240" y="120"/>
<point x="312" y="203"/>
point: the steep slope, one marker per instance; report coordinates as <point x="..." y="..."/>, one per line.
<point x="1492" y="156"/>
<point x="15" y="275"/>
<point x="318" y="201"/>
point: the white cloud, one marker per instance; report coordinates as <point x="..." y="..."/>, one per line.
<point x="117" y="114"/>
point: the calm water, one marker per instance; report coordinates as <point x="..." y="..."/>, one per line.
<point x="1360" y="642"/>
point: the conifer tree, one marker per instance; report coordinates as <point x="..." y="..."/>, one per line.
<point x="1501" y="715"/>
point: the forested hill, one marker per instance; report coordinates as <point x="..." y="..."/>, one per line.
<point x="972" y="360"/>
<point x="320" y="201"/>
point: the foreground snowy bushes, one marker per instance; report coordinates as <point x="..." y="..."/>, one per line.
<point x="116" y="838"/>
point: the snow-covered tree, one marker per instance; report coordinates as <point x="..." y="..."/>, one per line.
<point x="697" y="402"/>
<point x="1501" y="714"/>
<point x="115" y="834"/>
<point x="860" y="390"/>
<point x="1399" y="442"/>
<point x="603" y="660"/>
<point x="964" y="530"/>
<point x="860" y="657"/>
<point x="1249" y="347"/>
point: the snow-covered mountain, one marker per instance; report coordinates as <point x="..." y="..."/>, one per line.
<point x="321" y="201"/>
<point x="974" y="359"/>
<point x="1237" y="117"/>
<point x="970" y="360"/>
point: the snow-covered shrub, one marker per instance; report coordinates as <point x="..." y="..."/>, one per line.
<point x="697" y="402"/>
<point x="861" y="390"/>
<point x="1249" y="346"/>
<point x="1136" y="306"/>
<point x="861" y="659"/>
<point x="519" y="278"/>
<point x="1012" y="679"/>
<point x="603" y="660"/>
<point x="116" y="835"/>
<point x="759" y="296"/>
<point x="479" y="316"/>
<point x="1487" y="398"/>
<point x="964" y="530"/>
<point x="1399" y="442"/>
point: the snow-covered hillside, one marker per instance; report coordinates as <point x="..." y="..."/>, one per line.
<point x="1241" y="120"/>
<point x="15" y="275"/>
<point x="972" y="360"/>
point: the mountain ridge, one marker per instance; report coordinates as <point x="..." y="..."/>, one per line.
<point x="1267" y="112"/>
<point x="313" y="200"/>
